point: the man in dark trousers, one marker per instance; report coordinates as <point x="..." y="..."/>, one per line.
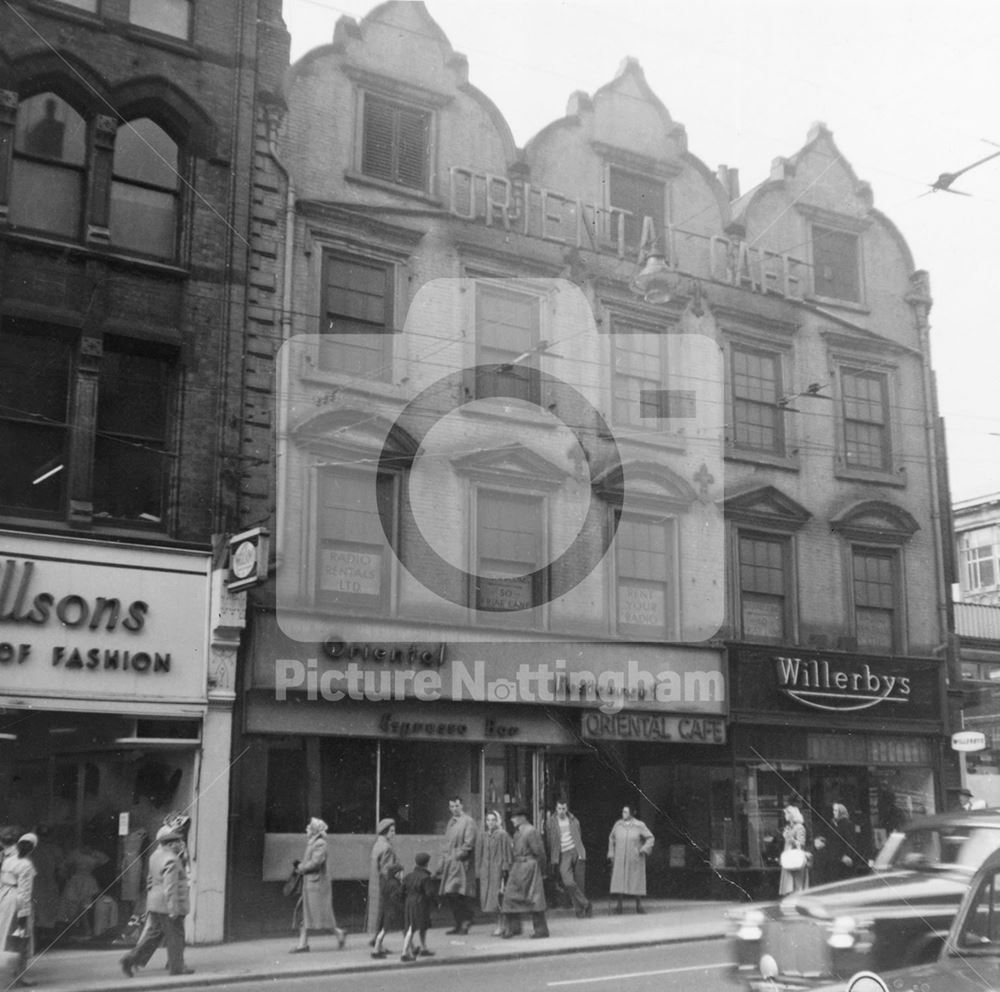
<point x="843" y="857"/>
<point x="168" y="901"/>
<point x="525" y="891"/>
<point x="568" y="856"/>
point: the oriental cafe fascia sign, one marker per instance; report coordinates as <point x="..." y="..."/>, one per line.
<point x="113" y="621"/>
<point x="538" y="212"/>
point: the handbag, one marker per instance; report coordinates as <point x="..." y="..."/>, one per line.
<point x="293" y="887"/>
<point x="793" y="859"/>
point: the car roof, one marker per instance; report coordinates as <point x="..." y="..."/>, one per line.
<point x="972" y="817"/>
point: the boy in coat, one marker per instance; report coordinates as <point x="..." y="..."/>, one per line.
<point x="419" y="891"/>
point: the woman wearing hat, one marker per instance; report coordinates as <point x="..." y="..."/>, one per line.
<point x="315" y="907"/>
<point x="386" y="872"/>
<point x="17" y="879"/>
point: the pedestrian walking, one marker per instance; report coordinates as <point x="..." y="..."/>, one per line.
<point x="390" y="889"/>
<point x="419" y="892"/>
<point x="458" y="869"/>
<point x="525" y="889"/>
<point x="844" y="858"/>
<point x="794" y="857"/>
<point x="568" y="856"/>
<point x="629" y="844"/>
<point x="168" y="901"/>
<point x="381" y="849"/>
<point x="494" y="856"/>
<point x="314" y="910"/>
<point x="17" y="881"/>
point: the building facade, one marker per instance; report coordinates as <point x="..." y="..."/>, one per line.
<point x="594" y="479"/>
<point x="977" y="547"/>
<point x="126" y="145"/>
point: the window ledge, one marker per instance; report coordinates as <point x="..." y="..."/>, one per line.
<point x="495" y="408"/>
<point x="90" y="251"/>
<point x="895" y="477"/>
<point x="118" y="532"/>
<point x="157" y="39"/>
<point x="405" y="191"/>
<point x="68" y="13"/>
<point x="380" y="389"/>
<point x="789" y="463"/>
<point x="832" y="301"/>
<point x="645" y="438"/>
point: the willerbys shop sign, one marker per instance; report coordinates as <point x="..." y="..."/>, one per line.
<point x="81" y="618"/>
<point x="866" y="687"/>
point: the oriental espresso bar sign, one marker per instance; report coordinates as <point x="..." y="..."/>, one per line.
<point x="865" y="687"/>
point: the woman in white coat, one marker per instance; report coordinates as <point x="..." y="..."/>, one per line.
<point x="316" y="902"/>
<point x="794" y="879"/>
<point x="629" y="844"/>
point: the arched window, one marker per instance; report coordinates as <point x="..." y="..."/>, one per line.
<point x="144" y="189"/>
<point x="49" y="169"/>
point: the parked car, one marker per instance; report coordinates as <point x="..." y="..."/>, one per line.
<point x="898" y="915"/>
<point x="970" y="957"/>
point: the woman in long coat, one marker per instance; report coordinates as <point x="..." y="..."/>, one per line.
<point x="17" y="879"/>
<point x="494" y="856"/>
<point x="390" y="888"/>
<point x="628" y="845"/>
<point x="382" y="852"/>
<point x="795" y="839"/>
<point x="525" y="889"/>
<point x="316" y="902"/>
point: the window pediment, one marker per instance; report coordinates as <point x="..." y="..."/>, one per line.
<point x="513" y="466"/>
<point x="352" y="432"/>
<point x="875" y="520"/>
<point x="766" y="506"/>
<point x="644" y="483"/>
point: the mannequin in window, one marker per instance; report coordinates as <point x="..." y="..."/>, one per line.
<point x="45" y="138"/>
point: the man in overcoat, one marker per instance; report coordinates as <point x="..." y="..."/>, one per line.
<point x="568" y="855"/>
<point x="525" y="891"/>
<point x="168" y="901"/>
<point x="458" y="866"/>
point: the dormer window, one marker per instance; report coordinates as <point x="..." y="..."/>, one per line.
<point x="836" y="264"/>
<point x="641" y="196"/>
<point x="395" y="142"/>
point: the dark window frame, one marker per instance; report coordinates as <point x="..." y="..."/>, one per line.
<point x="387" y="125"/>
<point x="892" y="588"/>
<point x="648" y="414"/>
<point x="669" y="583"/>
<point x="743" y="401"/>
<point x="88" y="480"/>
<point x="539" y="577"/>
<point x="493" y="351"/>
<point x="621" y="196"/>
<point x="386" y="489"/>
<point x="95" y="177"/>
<point x="853" y="427"/>
<point x="836" y="259"/>
<point x="785" y="547"/>
<point x="382" y="358"/>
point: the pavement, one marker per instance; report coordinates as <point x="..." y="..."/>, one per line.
<point x="665" y="922"/>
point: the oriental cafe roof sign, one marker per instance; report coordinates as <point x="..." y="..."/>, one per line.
<point x="538" y="212"/>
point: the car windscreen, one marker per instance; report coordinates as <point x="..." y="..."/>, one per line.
<point x="937" y="848"/>
<point x="979" y="931"/>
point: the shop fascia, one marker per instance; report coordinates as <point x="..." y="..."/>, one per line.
<point x="538" y="212"/>
<point x="608" y="677"/>
<point x="824" y="684"/>
<point x="116" y="618"/>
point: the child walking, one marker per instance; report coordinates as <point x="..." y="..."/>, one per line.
<point x="419" y="891"/>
